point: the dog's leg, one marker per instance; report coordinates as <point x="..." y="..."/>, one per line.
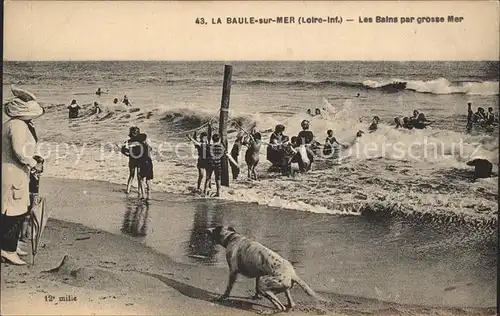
<point x="274" y="299"/>
<point x="256" y="296"/>
<point x="230" y="284"/>
<point x="291" y="304"/>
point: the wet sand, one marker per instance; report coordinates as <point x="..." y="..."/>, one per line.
<point x="117" y="274"/>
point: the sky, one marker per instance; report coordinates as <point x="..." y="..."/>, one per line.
<point x="150" y="30"/>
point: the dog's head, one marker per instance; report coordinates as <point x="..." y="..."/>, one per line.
<point x="220" y="234"/>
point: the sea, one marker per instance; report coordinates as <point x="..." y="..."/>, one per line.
<point x="398" y="218"/>
<point x="390" y="170"/>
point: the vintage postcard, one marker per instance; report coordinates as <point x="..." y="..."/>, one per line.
<point x="243" y="158"/>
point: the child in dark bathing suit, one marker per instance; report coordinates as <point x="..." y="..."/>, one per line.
<point x="203" y="156"/>
<point x="306" y="137"/>
<point x="331" y="148"/>
<point x="145" y="165"/>
<point x="216" y="151"/>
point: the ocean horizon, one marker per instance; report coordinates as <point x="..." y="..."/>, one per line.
<point x="170" y="99"/>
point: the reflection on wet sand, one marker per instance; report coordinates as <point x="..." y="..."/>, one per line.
<point x="135" y="219"/>
<point x="367" y="256"/>
<point x="200" y="246"/>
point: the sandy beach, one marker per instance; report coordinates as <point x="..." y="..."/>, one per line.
<point x="106" y="273"/>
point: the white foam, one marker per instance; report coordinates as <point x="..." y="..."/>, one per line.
<point x="441" y="86"/>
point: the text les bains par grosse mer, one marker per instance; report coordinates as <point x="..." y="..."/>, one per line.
<point x="411" y="19"/>
<point x="271" y="20"/>
<point x="330" y="20"/>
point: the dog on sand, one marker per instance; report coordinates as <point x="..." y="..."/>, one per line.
<point x="273" y="273"/>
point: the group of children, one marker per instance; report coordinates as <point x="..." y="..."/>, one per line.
<point x="481" y="118"/>
<point x="210" y="153"/>
<point x="138" y="150"/>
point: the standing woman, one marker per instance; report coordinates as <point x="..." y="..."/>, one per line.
<point x="18" y="147"/>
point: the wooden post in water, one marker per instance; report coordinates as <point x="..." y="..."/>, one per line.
<point x="224" y="115"/>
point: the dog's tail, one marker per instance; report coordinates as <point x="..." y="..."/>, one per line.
<point x="308" y="289"/>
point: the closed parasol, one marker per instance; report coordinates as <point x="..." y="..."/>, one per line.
<point x="38" y="220"/>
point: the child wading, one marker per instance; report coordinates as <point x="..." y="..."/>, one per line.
<point x="331" y="149"/>
<point x="203" y="156"/>
<point x="216" y="151"/>
<point x="145" y="166"/>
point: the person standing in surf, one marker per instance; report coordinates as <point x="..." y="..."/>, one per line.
<point x="306" y="137"/>
<point x="203" y="156"/>
<point x="126" y="101"/>
<point x="73" y="108"/>
<point x="216" y="151"/>
<point x="145" y="165"/>
<point x="131" y="149"/>
<point x="19" y="140"/>
<point x="275" y="148"/>
<point x="331" y="149"/>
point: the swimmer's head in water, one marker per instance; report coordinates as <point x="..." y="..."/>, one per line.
<point x="317" y="111"/>
<point x="376" y="119"/>
<point x="115" y="100"/>
<point x="134" y="131"/>
<point x="415" y="113"/>
<point x="215" y="138"/>
<point x="257" y="136"/>
<point x="304" y="124"/>
<point x="421" y="117"/>
<point x="397" y="120"/>
<point x="405" y="119"/>
<point x="294" y="140"/>
<point x="359" y="133"/>
<point x="73" y="101"/>
<point x="309" y="111"/>
<point x="490" y="109"/>
<point x="480" y="109"/>
<point x="96" y="104"/>
<point x="329" y="132"/>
